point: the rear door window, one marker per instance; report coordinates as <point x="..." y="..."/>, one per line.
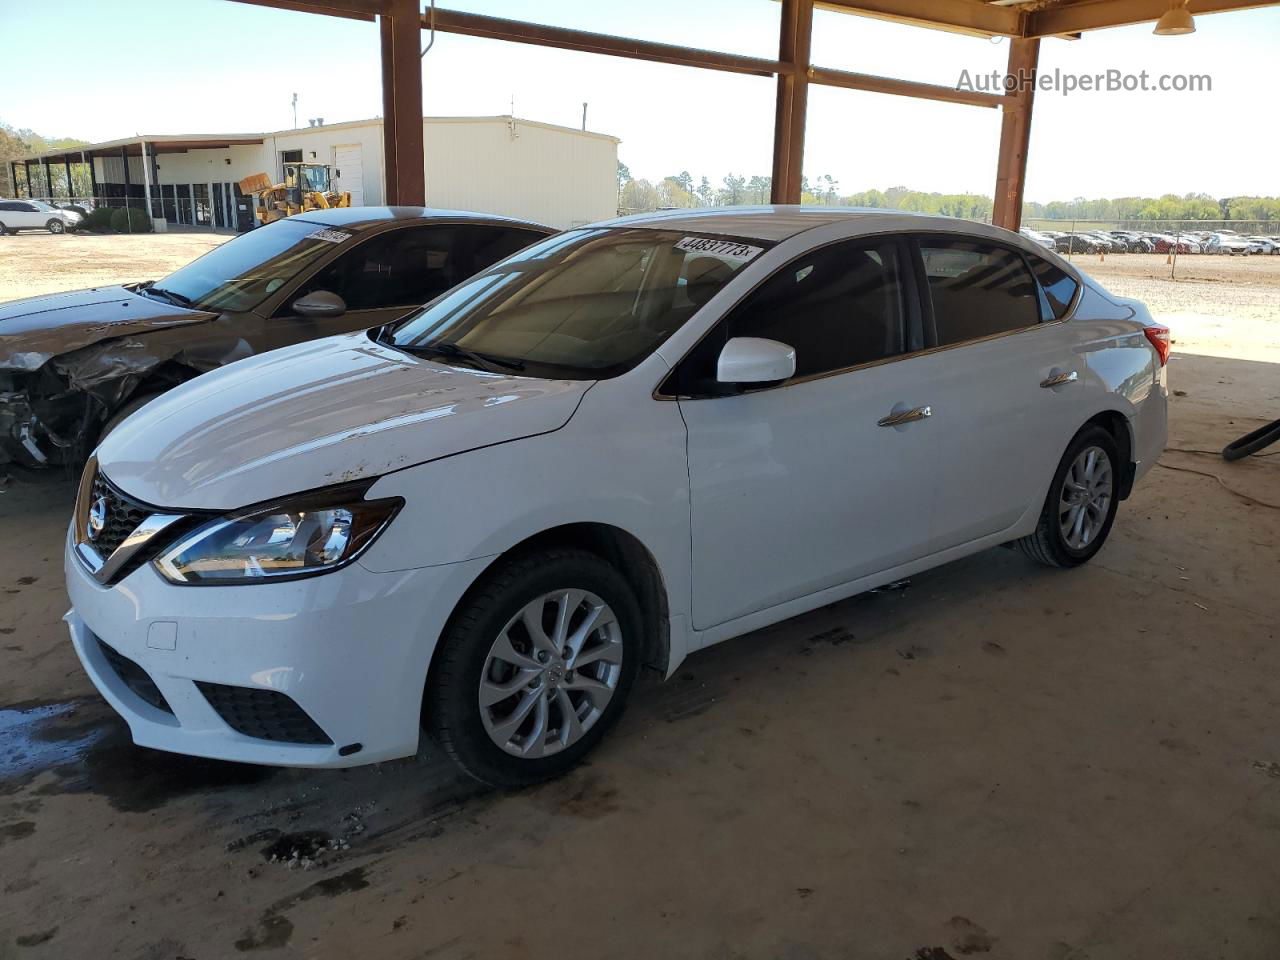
<point x="1059" y="287"/>
<point x="977" y="289"/>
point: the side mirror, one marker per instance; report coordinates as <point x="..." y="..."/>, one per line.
<point x="755" y="360"/>
<point x="319" y="303"/>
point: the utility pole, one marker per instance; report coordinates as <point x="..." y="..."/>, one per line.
<point x="584" y="115"/>
<point x="295" y="111"/>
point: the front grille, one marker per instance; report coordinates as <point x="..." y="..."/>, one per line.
<point x="264" y="714"/>
<point x="135" y="678"/>
<point x="122" y="516"/>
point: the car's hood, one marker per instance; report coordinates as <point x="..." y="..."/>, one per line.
<point x="38" y="328"/>
<point x="317" y="414"/>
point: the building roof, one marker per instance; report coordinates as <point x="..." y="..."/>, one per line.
<point x="182" y="142"/>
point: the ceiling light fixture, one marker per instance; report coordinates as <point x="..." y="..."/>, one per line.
<point x="1176" y="21"/>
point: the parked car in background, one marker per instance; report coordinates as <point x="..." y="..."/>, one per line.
<point x="72" y="365"/>
<point x="627" y="442"/>
<point x="18" y="215"/>
<point x="1228" y="243"/>
<point x="1263" y="245"/>
<point x="1036" y="236"/>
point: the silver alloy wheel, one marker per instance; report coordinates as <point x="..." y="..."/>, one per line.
<point x="550" y="673"/>
<point x="1086" y="497"/>
<point x="56" y="226"/>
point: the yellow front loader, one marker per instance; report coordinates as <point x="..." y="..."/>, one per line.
<point x="306" y="187"/>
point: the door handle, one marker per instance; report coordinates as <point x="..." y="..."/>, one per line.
<point x="1058" y="379"/>
<point x="906" y="416"/>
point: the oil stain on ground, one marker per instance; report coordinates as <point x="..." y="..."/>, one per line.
<point x="274" y="928"/>
<point x="88" y="749"/>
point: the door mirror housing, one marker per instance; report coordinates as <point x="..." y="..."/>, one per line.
<point x="755" y="360"/>
<point x="319" y="303"/>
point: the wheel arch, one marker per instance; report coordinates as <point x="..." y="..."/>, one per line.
<point x="626" y="553"/>
<point x="1121" y="430"/>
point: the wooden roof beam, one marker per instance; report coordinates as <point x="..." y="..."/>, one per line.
<point x="974" y="17"/>
<point x="518" y="31"/>
<point x="1082" y="15"/>
<point x="365" y="10"/>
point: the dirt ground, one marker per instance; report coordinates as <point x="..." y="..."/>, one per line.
<point x="36" y="263"/>
<point x="999" y="760"/>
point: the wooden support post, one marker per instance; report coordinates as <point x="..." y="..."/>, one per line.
<point x="93" y="177"/>
<point x="403" y="159"/>
<point x="48" y="179"/>
<point x="793" y="100"/>
<point x="26" y="169"/>
<point x="1015" y="135"/>
<point x="66" y="162"/>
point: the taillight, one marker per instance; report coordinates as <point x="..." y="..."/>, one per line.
<point x="1159" y="337"/>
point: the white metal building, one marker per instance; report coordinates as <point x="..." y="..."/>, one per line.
<point x="538" y="171"/>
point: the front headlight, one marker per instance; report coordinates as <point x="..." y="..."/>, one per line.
<point x="301" y="537"/>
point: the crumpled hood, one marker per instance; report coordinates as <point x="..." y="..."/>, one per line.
<point x="317" y="414"/>
<point x="36" y="329"/>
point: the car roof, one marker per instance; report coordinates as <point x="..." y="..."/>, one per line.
<point x="357" y="218"/>
<point x="782" y="221"/>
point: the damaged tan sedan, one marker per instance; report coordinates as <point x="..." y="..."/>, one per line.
<point x="73" y="365"/>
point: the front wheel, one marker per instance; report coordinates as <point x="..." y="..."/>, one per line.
<point x="1081" y="505"/>
<point x="56" y="226"/>
<point x="534" y="667"/>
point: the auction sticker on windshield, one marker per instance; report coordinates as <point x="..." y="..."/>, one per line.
<point x="329" y="236"/>
<point x="724" y="249"/>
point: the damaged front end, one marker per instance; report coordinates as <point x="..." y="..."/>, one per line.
<point x="43" y="423"/>
<point x="69" y="362"/>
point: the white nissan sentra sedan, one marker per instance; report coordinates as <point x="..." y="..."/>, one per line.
<point x="624" y="443"/>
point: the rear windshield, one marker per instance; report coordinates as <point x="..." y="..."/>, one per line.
<point x="584" y="304"/>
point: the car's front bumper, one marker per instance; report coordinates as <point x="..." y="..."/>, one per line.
<point x="350" y="649"/>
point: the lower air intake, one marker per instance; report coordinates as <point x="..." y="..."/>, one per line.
<point x="263" y="714"/>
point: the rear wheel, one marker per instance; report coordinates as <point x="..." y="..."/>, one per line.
<point x="56" y="226"/>
<point x="1081" y="505"/>
<point x="534" y="667"/>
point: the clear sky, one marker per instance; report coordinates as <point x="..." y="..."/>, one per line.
<point x="196" y="66"/>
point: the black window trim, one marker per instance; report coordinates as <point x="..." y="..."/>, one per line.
<point x="916" y="299"/>
<point x="912" y="319"/>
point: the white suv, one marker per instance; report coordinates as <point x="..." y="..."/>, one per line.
<point x="18" y="215"/>
<point x="626" y="442"/>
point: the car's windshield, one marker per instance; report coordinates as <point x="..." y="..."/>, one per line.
<point x="241" y="273"/>
<point x="584" y="304"/>
<point x="41" y="206"/>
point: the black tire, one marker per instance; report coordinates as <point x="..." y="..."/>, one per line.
<point x="450" y="705"/>
<point x="1252" y="442"/>
<point x="1047" y="544"/>
<point x="56" y="226"/>
<point x="4" y="230"/>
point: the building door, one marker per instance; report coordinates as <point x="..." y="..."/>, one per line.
<point x="200" y="203"/>
<point x="184" y="203"/>
<point x="348" y="172"/>
<point x="219" y="207"/>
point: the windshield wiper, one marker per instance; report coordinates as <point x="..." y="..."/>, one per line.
<point x="481" y="361"/>
<point x="175" y="298"/>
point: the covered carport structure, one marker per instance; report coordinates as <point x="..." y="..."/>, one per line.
<point x="124" y="172"/>
<point x="401" y="23"/>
